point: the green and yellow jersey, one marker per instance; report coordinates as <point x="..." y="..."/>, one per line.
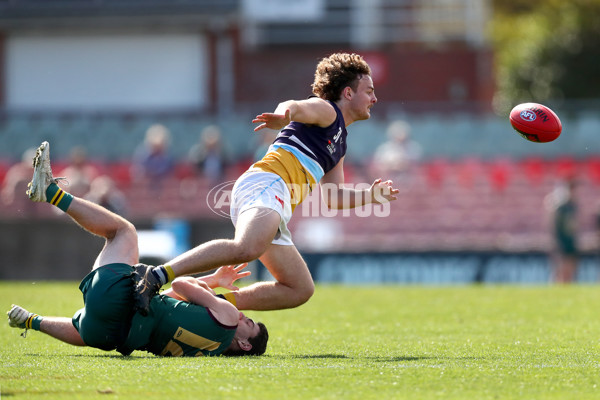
<point x="177" y="328"/>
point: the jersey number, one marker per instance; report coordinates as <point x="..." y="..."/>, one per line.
<point x="188" y="338"/>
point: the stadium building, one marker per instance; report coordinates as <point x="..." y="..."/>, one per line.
<point x="97" y="74"/>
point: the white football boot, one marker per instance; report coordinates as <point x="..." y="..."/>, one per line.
<point x="42" y="174"/>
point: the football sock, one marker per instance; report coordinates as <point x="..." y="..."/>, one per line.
<point x="33" y="322"/>
<point x="229" y="296"/>
<point x="164" y="273"/>
<point x="58" y="197"/>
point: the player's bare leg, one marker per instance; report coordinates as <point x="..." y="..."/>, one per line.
<point x="293" y="286"/>
<point x="255" y="230"/>
<point x="60" y="328"/>
<point x="121" y="237"/>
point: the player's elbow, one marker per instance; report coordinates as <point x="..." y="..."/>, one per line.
<point x="177" y="285"/>
<point x="182" y="286"/>
<point x="283" y="107"/>
<point x="182" y="281"/>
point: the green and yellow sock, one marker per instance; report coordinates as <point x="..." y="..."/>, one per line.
<point x="58" y="197"/>
<point x="33" y="322"/>
<point x="164" y="273"/>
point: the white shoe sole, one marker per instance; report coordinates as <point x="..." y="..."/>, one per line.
<point x="42" y="174"/>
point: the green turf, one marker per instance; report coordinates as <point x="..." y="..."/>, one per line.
<point x="472" y="342"/>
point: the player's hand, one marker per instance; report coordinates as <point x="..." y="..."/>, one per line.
<point x="272" y="121"/>
<point x="225" y="276"/>
<point x="383" y="192"/>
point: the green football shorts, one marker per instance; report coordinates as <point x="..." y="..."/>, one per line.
<point x="105" y="320"/>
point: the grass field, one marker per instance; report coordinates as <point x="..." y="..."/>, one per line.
<point x="471" y="342"/>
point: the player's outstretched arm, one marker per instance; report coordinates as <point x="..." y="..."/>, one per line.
<point x="336" y="196"/>
<point x="313" y="111"/>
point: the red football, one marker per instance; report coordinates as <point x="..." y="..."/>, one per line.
<point x="535" y="122"/>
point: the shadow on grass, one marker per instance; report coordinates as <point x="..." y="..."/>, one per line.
<point x="398" y="358"/>
<point x="383" y="359"/>
<point x="108" y="355"/>
<point x="345" y="357"/>
<point x="417" y="358"/>
<point x="310" y="356"/>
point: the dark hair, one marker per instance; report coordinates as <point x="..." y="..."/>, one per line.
<point x="258" y="342"/>
<point x="336" y="72"/>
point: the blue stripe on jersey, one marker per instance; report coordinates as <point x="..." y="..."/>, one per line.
<point x="310" y="164"/>
<point x="327" y="146"/>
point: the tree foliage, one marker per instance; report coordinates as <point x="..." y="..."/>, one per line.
<point x="546" y="50"/>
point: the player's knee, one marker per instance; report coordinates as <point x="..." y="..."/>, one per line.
<point x="126" y="231"/>
<point x="302" y="293"/>
<point x="245" y="252"/>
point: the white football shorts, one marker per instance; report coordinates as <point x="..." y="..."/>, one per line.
<point x="267" y="190"/>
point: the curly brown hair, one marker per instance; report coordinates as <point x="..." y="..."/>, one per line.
<point x="336" y="72"/>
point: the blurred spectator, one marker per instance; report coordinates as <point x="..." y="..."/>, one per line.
<point x="396" y="156"/>
<point x="561" y="203"/>
<point x="151" y="160"/>
<point x="208" y="155"/>
<point x="16" y="179"/>
<point x="79" y="173"/>
<point x="104" y="192"/>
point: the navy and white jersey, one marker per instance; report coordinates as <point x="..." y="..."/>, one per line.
<point x="301" y="154"/>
